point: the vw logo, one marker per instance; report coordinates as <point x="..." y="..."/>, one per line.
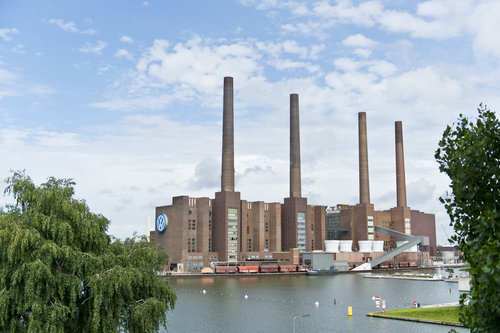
<point x="161" y="222"/>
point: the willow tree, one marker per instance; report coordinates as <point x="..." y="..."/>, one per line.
<point x="61" y="272"/>
<point x="469" y="153"/>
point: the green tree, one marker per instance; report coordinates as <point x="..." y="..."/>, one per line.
<point x="61" y="272"/>
<point x="469" y="153"/>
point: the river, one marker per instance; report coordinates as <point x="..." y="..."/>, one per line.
<point x="272" y="302"/>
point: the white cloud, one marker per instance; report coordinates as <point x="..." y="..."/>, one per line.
<point x="126" y="39"/>
<point x="363" y="53"/>
<point x="359" y="40"/>
<point x="298" y="8"/>
<point x="70" y="26"/>
<point x="186" y="71"/>
<point x="57" y="140"/>
<point x="485" y="26"/>
<point x="95" y="48"/>
<point x="6" y="33"/>
<point x="347" y="64"/>
<point x="122" y="53"/>
<point x="12" y="85"/>
<point x="343" y="11"/>
<point x="382" y="68"/>
<point x="6" y="76"/>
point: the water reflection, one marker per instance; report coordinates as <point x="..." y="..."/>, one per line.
<point x="273" y="301"/>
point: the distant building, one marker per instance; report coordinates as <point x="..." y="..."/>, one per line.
<point x="360" y="220"/>
<point x="196" y="232"/>
<point x="200" y="231"/>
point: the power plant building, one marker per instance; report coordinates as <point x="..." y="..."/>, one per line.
<point x="196" y="232"/>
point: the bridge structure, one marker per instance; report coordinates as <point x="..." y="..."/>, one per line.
<point x="412" y="241"/>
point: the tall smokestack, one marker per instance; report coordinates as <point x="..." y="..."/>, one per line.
<point x="364" y="182"/>
<point x="227" y="179"/>
<point x="295" y="181"/>
<point x="400" y="165"/>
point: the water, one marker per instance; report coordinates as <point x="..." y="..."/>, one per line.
<point x="273" y="302"/>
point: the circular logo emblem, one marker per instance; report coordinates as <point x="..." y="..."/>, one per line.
<point x="161" y="222"/>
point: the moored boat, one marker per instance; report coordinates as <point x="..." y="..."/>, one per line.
<point x="322" y="272"/>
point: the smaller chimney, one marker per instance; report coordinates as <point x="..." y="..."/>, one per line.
<point x="295" y="181"/>
<point x="400" y="166"/>
<point x="227" y="178"/>
<point x="364" y="182"/>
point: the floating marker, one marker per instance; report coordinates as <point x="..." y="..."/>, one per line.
<point x="349" y="311"/>
<point x="335" y="301"/>
<point x="317" y="303"/>
<point x="204" y="291"/>
<point x="246" y="296"/>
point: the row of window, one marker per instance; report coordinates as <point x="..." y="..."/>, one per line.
<point x="195" y="266"/>
<point x="191" y="244"/>
<point x="301" y="230"/>
<point x="191" y="224"/>
<point x="195" y="257"/>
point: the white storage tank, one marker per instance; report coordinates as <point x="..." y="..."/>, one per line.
<point x="411" y="249"/>
<point x="378" y="246"/>
<point x="332" y="246"/>
<point x="365" y="245"/>
<point x="346" y="246"/>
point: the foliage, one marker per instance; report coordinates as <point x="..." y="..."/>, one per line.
<point x="61" y="272"/>
<point x="469" y="153"/>
<point x="448" y="314"/>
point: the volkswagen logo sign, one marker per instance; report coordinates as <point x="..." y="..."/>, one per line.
<point x="161" y="222"/>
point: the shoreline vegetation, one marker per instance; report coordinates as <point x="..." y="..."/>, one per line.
<point x="448" y="315"/>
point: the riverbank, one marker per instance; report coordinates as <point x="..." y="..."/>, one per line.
<point x="381" y="270"/>
<point x="416" y="277"/>
<point x="274" y="300"/>
<point x="439" y="314"/>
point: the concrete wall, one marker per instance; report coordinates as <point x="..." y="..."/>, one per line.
<point x="318" y="260"/>
<point x="423" y="224"/>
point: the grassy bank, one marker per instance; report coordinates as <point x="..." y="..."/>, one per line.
<point x="448" y="314"/>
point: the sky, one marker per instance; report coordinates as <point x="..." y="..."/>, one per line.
<point x="125" y="97"/>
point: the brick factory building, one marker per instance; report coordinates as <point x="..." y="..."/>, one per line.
<point x="198" y="231"/>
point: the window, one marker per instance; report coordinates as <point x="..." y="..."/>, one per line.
<point x="301" y="231"/>
<point x="191" y="224"/>
<point x="312" y="244"/>
<point x="210" y="245"/>
<point x="191" y="244"/>
<point x="267" y="245"/>
<point x="249" y="245"/>
<point x="267" y="227"/>
<point x="370" y="227"/>
<point x="232" y="232"/>
<point x="312" y="226"/>
<point x="407" y="226"/>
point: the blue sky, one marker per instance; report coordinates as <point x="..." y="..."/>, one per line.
<point x="125" y="97"/>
